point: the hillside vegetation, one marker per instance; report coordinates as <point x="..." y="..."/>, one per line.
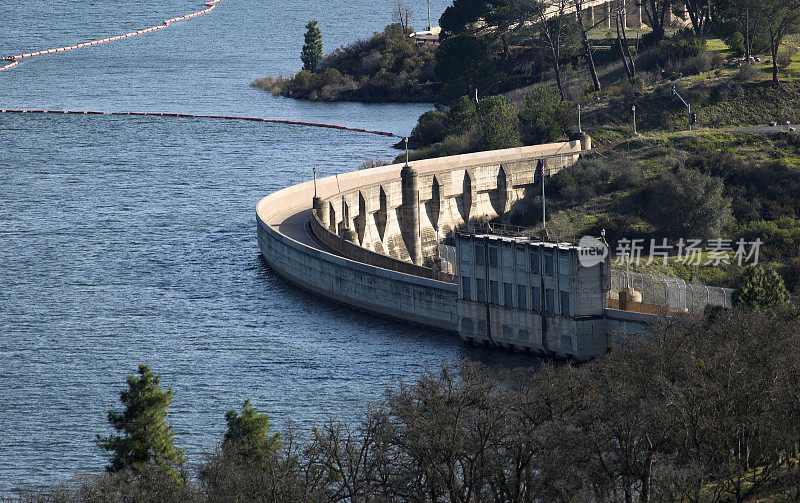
<point x="388" y="66"/>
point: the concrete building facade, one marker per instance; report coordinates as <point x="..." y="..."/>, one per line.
<point x="531" y="295"/>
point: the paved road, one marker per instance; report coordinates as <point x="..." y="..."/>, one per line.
<point x="293" y="223"/>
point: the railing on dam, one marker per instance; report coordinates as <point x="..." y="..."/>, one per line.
<point x="673" y="294"/>
<point x="360" y="254"/>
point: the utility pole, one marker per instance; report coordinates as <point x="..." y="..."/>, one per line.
<point x="633" y="110"/>
<point x="580" y="130"/>
<point x="429" y="16"/>
<point x="406" y="140"/>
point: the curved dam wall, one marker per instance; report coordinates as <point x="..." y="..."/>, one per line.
<point x="403" y="212"/>
<point x="290" y="251"/>
<point x="366" y="209"/>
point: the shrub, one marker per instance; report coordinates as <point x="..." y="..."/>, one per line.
<point x="499" y="126"/>
<point x="703" y="62"/>
<point x="331" y="77"/>
<point x="429" y="129"/>
<point x="373" y="162"/>
<point x="735" y="41"/>
<point x="462" y="116"/>
<point x="747" y="72"/>
<point x="580" y="182"/>
<point x="762" y="289"/>
<point x="545" y="117"/>
<point x="304" y="80"/>
<point x="785" y="55"/>
<point x="686" y="204"/>
<point x="451" y="145"/>
<point x="625" y="175"/>
<point x="681" y="47"/>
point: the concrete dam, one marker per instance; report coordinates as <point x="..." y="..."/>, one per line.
<point x="369" y="239"/>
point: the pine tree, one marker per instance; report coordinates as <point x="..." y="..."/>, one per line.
<point x="312" y="49"/>
<point x="762" y="289"/>
<point x="248" y="433"/>
<point x="144" y="436"/>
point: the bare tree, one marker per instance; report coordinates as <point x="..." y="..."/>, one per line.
<point x="782" y="18"/>
<point x="402" y="14"/>
<point x="550" y="17"/>
<point x="622" y="39"/>
<point x="700" y="14"/>
<point x="587" y="44"/>
<point x="657" y="13"/>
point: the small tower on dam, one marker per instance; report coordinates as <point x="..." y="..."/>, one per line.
<point x="409" y="220"/>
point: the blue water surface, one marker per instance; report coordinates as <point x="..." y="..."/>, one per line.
<point x="132" y="239"/>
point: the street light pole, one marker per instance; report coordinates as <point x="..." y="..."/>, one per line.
<point x="688" y="108"/>
<point x="633" y="109"/>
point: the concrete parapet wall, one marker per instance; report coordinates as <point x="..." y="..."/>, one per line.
<point x="396" y="212"/>
<point x="625" y="323"/>
<point x="360" y="254"/>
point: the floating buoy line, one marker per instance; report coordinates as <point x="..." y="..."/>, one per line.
<point x="222" y="117"/>
<point x="14" y="61"/>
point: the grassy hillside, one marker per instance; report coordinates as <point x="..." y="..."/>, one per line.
<point x="636" y="189"/>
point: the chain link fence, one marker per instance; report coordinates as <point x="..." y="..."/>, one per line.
<point x="674" y="294"/>
<point x="447" y="254"/>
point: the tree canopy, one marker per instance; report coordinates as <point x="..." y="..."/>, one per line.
<point x="762" y="289"/>
<point x="144" y="436"/>
<point x="312" y="48"/>
<point x="249" y="433"/>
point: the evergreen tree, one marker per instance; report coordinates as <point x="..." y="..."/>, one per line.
<point x="462" y="116"/>
<point x="312" y="49"/>
<point x="144" y="436"/>
<point x="499" y="124"/>
<point x="248" y="433"/>
<point x="762" y="289"/>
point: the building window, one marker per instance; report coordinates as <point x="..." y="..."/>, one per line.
<point x="535" y="266"/>
<point x="507" y="256"/>
<point x="479" y="258"/>
<point x="493" y="256"/>
<point x="480" y="290"/>
<point x="466" y="290"/>
<point x="548" y="263"/>
<point x="549" y="300"/>
<point x="564" y="265"/>
<point x="494" y="291"/>
<point x="522" y="299"/>
<point x="536" y="298"/>
<point x="565" y="303"/>
<point x="508" y="294"/>
<point x="466" y="326"/>
<point x="466" y="252"/>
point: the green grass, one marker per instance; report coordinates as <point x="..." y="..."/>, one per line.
<point x="717" y="45"/>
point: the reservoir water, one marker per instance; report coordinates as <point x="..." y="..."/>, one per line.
<point x="127" y="240"/>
